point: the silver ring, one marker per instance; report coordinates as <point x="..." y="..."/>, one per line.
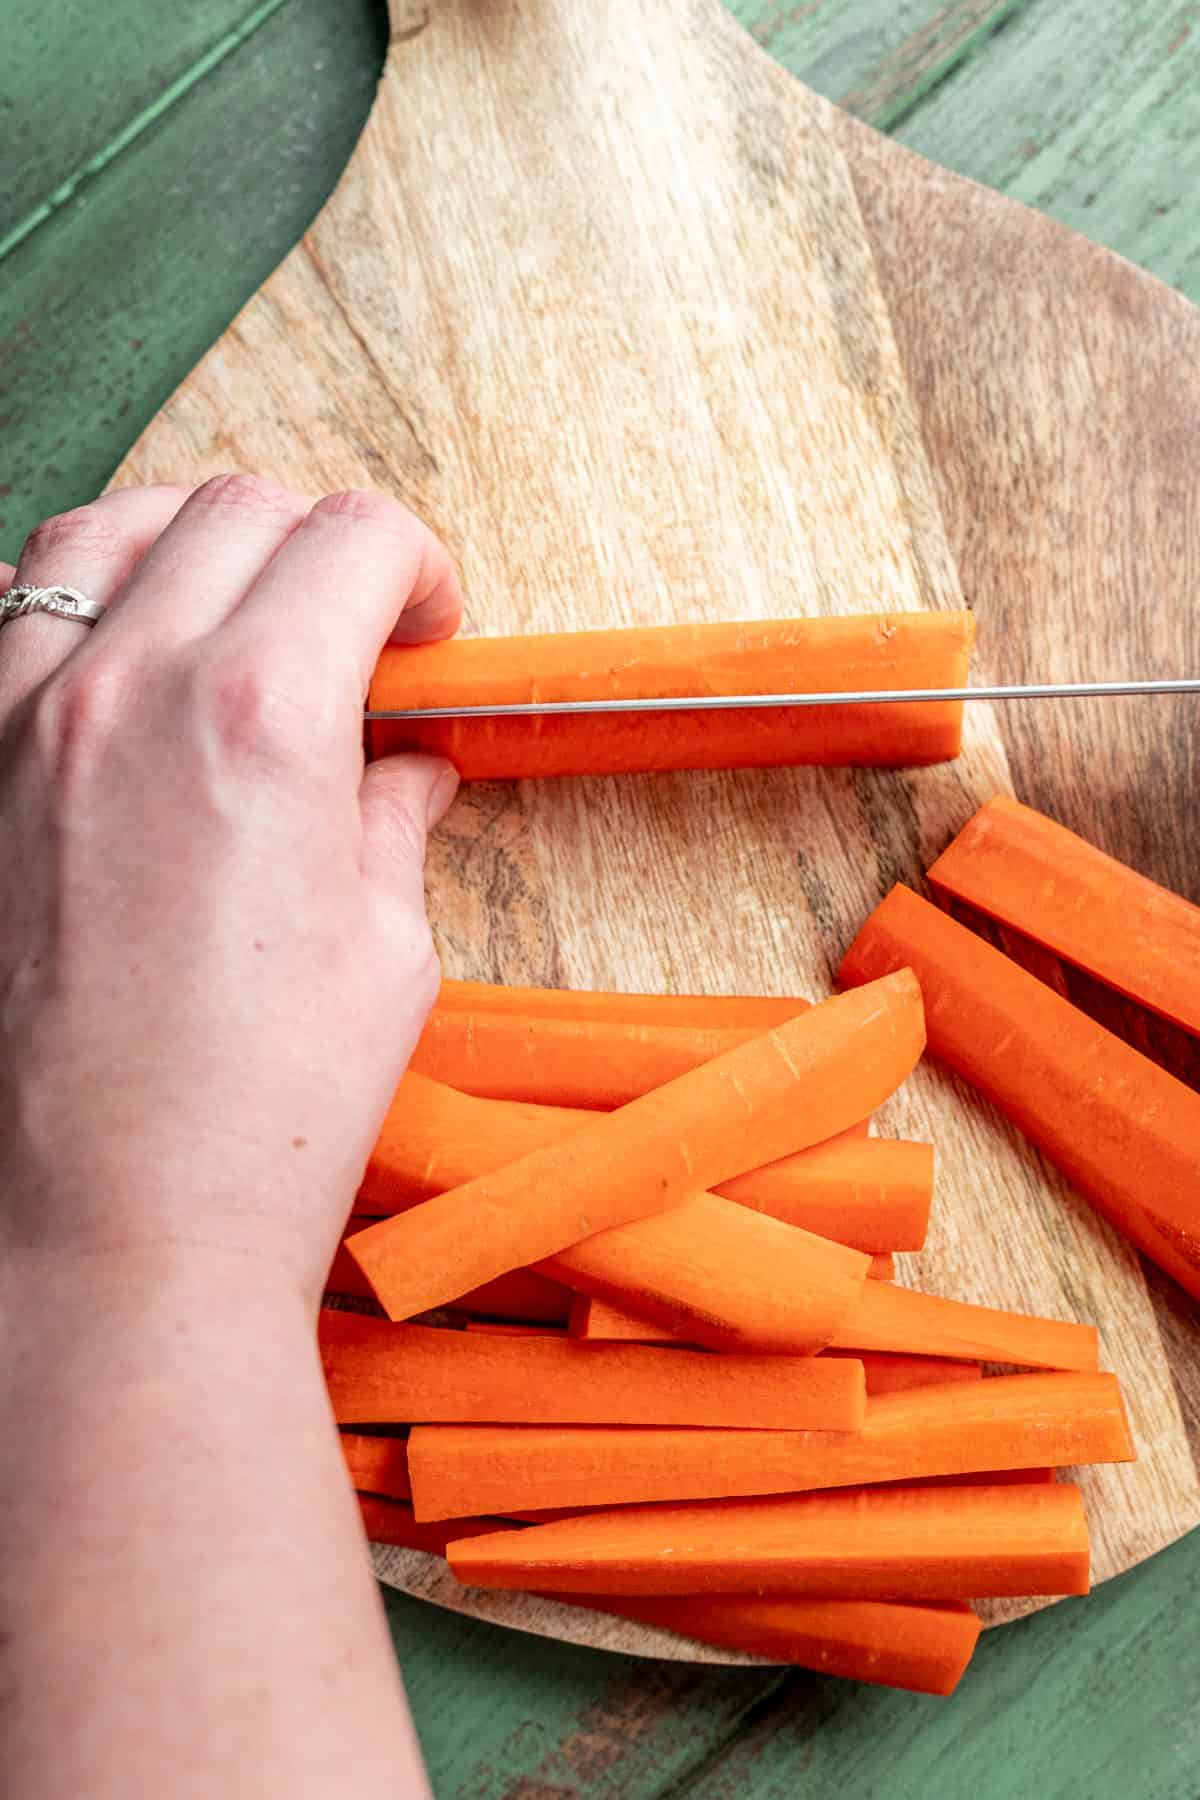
<point x="61" y="602"/>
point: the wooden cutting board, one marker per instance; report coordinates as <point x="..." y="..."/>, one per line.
<point x="648" y="331"/>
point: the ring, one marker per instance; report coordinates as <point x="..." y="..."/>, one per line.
<point x="61" y="602"/>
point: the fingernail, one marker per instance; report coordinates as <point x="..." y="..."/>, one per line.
<point x="441" y="794"/>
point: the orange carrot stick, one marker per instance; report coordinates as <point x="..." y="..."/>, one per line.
<point x="505" y="1328"/>
<point x="392" y="1522"/>
<point x="714" y="1274"/>
<point x="1033" y="874"/>
<point x="942" y="1543"/>
<point x="378" y="1373"/>
<point x="870" y="1193"/>
<point x="922" y="1648"/>
<point x="888" y="1373"/>
<point x="883" y="1267"/>
<point x="771" y="1096"/>
<point x="1007" y="1422"/>
<point x="1125" y="1132"/>
<point x="886" y="1317"/>
<point x="597" y="1064"/>
<point x="813" y="655"/>
<point x="377" y="1465"/>
<point x="521" y="1296"/>
<point x="739" y="1012"/>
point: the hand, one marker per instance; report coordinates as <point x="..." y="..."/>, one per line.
<point x="214" y="957"/>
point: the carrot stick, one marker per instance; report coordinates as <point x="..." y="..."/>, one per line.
<point x="883" y="1267"/>
<point x="717" y="1275"/>
<point x="597" y="1064"/>
<point x="870" y="1193"/>
<point x="520" y="1296"/>
<point x="888" y="1373"/>
<point x="377" y="1465"/>
<point x="924" y="1649"/>
<point x="505" y="1328"/>
<point x="739" y="1012"/>
<point x="942" y="1543"/>
<point x="597" y="1322"/>
<point x="773" y="1095"/>
<point x="1006" y="1422"/>
<point x="885" y="1317"/>
<point x="898" y="650"/>
<point x="1033" y="874"/>
<point x="392" y="1522"/>
<point x="1121" y="1129"/>
<point x="379" y="1373"/>
<point x="981" y="1478"/>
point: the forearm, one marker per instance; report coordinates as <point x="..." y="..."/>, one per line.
<point x="174" y="1506"/>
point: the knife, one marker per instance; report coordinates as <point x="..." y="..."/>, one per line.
<point x="529" y="709"/>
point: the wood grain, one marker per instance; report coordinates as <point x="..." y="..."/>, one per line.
<point x="625" y="312"/>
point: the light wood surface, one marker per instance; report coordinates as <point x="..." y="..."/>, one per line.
<point x="648" y="331"/>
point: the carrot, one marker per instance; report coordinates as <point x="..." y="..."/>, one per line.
<point x="1121" y="1129"/>
<point x="392" y="1522"/>
<point x="584" y="1063"/>
<point x="771" y="1096"/>
<point x="870" y="1193"/>
<point x="1033" y="874"/>
<point x="505" y="1328"/>
<point x="597" y="1322"/>
<point x="717" y="1275"/>
<point x="377" y="1373"/>
<point x="377" y="1465"/>
<point x="739" y="1012"/>
<point x="922" y="1648"/>
<point x="898" y="650"/>
<point x="1006" y="1422"/>
<point x="885" y="1317"/>
<point x="942" y="1543"/>
<point x="890" y="1373"/>
<point x="883" y="1267"/>
<point x="520" y="1296"/>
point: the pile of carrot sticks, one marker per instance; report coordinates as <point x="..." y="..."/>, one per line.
<point x="634" y="1340"/>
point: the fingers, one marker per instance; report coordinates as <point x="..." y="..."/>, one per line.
<point x="6" y="577"/>
<point x="359" y="570"/>
<point x="94" y="548"/>
<point x="401" y="799"/>
<point x="200" y="570"/>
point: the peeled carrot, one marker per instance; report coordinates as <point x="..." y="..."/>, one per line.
<point x="377" y="1372"/>
<point x="887" y="1373"/>
<point x="883" y="1267"/>
<point x="718" y="1275"/>
<point x="392" y="1522"/>
<point x="345" y="1278"/>
<point x="1121" y="1129"/>
<point x="922" y="1648"/>
<point x="870" y="1193"/>
<point x="942" y="1543"/>
<point x="815" y="655"/>
<point x="521" y="1295"/>
<point x="1006" y="1422"/>
<point x="771" y="1096"/>
<point x="1029" y="872"/>
<point x="589" y="1063"/>
<point x="739" y="1012"/>
<point x="377" y="1465"/>
<point x="885" y="1317"/>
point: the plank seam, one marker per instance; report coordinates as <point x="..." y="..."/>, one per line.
<point x="141" y="122"/>
<point x="888" y="117"/>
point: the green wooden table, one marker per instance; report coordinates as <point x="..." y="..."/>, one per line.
<point x="156" y="162"/>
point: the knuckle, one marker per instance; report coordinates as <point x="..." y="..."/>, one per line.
<point x="362" y="506"/>
<point x="84" y="529"/>
<point x="250" y="707"/>
<point x="75" y="714"/>
<point x="251" y="495"/>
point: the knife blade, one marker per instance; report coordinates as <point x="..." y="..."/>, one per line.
<point x="529" y="709"/>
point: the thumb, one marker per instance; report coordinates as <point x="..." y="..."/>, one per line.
<point x="401" y="799"/>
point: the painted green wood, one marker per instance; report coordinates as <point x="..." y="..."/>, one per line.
<point x="106" y="305"/>
<point x="201" y="140"/>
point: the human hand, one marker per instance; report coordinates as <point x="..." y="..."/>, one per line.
<point x="214" y="957"/>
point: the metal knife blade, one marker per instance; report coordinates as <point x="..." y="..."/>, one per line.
<point x="1061" y="690"/>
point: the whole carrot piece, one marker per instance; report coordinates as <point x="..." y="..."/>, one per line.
<point x="873" y="650"/>
<point x="911" y="1543"/>
<point x="773" y="1095"/>
<point x="380" y="1373"/>
<point x="1121" y="1129"/>
<point x="1006" y="1422"/>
